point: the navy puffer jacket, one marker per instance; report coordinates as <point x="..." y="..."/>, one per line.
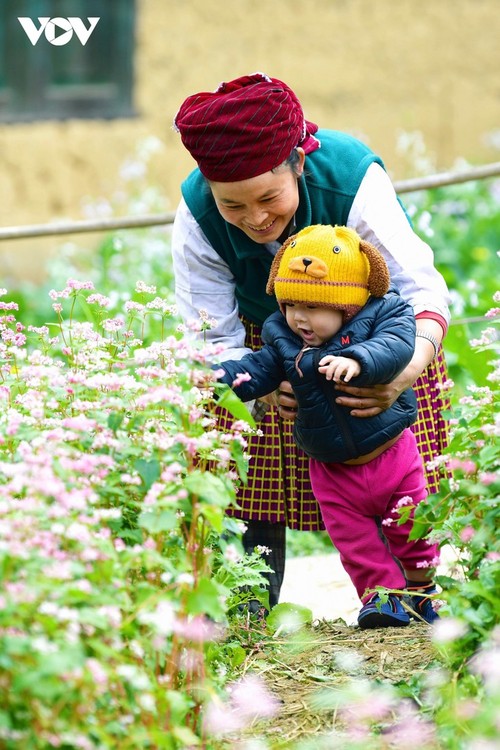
<point x="381" y="337"/>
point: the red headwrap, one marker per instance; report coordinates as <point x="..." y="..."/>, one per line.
<point x="246" y="127"/>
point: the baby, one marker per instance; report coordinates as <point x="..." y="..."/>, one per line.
<point x="339" y="319"/>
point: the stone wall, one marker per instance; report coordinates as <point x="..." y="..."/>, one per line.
<point x="374" y="69"/>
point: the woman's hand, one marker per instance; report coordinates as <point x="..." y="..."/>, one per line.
<point x="287" y="403"/>
<point x="372" y="400"/>
<point x="369" y="401"/>
<point x="271" y="399"/>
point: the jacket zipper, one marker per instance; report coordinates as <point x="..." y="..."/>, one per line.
<point x="329" y="391"/>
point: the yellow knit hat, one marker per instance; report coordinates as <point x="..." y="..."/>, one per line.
<point x="330" y="267"/>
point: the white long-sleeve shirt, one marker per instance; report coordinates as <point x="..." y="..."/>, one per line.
<point x="203" y="281"/>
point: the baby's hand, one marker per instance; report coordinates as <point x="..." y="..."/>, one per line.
<point x="339" y="368"/>
<point x="204" y="378"/>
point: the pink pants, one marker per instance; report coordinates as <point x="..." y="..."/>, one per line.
<point x="351" y="497"/>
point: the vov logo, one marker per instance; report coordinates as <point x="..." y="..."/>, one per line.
<point x="58" y="31"/>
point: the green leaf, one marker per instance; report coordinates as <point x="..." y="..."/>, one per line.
<point x="114" y="421"/>
<point x="206" y="599"/>
<point x="179" y="704"/>
<point x="230" y="401"/>
<point x="235" y="653"/>
<point x="488" y="456"/>
<point x="241" y="462"/>
<point x="186" y="736"/>
<point x="419" y="530"/>
<point x="288" y="618"/>
<point x="116" y="729"/>
<point x="132" y="536"/>
<point x="155" y="523"/>
<point x="5" y="722"/>
<point x="208" y="487"/>
<point x="214" y="517"/>
<point x="149" y="471"/>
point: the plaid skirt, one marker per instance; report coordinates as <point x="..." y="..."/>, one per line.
<point x="278" y="489"/>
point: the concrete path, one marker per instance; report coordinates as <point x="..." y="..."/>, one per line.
<point x="321" y="583"/>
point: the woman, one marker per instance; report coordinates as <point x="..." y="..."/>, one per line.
<point x="264" y="173"/>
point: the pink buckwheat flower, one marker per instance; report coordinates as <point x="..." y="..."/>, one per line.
<point x="98" y="299"/>
<point x="429" y="563"/>
<point x="251" y="698"/>
<point x="263" y="550"/>
<point x="493" y="312"/>
<point x="218" y="720"/>
<point x="76" y="285"/>
<point x="141" y="286"/>
<point x="487" y="664"/>
<point x="488" y="477"/>
<point x="231" y="554"/>
<point x="198" y="629"/>
<point x="406" y="500"/>
<point x="467" y="534"/>
<point x="448" y="630"/>
<point x="97" y="671"/>
<point x="241" y="377"/>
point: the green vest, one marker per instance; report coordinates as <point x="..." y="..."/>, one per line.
<point x="332" y="176"/>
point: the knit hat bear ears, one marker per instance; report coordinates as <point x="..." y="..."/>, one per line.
<point x="330" y="267"/>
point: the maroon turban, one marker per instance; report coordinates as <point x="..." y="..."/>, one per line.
<point x="245" y="128"/>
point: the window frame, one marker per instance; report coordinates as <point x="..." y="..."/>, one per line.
<point x="28" y="89"/>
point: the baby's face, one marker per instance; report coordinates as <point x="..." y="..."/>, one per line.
<point x="313" y="324"/>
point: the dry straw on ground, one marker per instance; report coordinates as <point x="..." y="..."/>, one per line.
<point x="300" y="669"/>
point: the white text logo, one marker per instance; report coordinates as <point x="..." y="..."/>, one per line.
<point x="58" y="31"/>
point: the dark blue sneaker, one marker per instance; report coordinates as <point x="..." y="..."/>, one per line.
<point x="421" y="607"/>
<point x="375" y="614"/>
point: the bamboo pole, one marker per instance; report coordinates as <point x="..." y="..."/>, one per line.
<point x="447" y="178"/>
<point x="86" y="225"/>
<point x="163" y="219"/>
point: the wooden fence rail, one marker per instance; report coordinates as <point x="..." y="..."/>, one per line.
<point x="148" y="220"/>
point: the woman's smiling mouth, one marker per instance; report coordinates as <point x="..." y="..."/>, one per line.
<point x="262" y="229"/>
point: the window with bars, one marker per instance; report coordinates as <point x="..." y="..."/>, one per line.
<point x="51" y="80"/>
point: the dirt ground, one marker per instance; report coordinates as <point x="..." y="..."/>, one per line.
<point x="305" y="676"/>
<point x="305" y="671"/>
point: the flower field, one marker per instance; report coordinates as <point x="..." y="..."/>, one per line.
<point x="122" y="617"/>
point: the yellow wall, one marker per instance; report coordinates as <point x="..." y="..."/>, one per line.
<point x="371" y="68"/>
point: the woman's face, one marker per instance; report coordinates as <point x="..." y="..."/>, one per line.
<point x="263" y="206"/>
